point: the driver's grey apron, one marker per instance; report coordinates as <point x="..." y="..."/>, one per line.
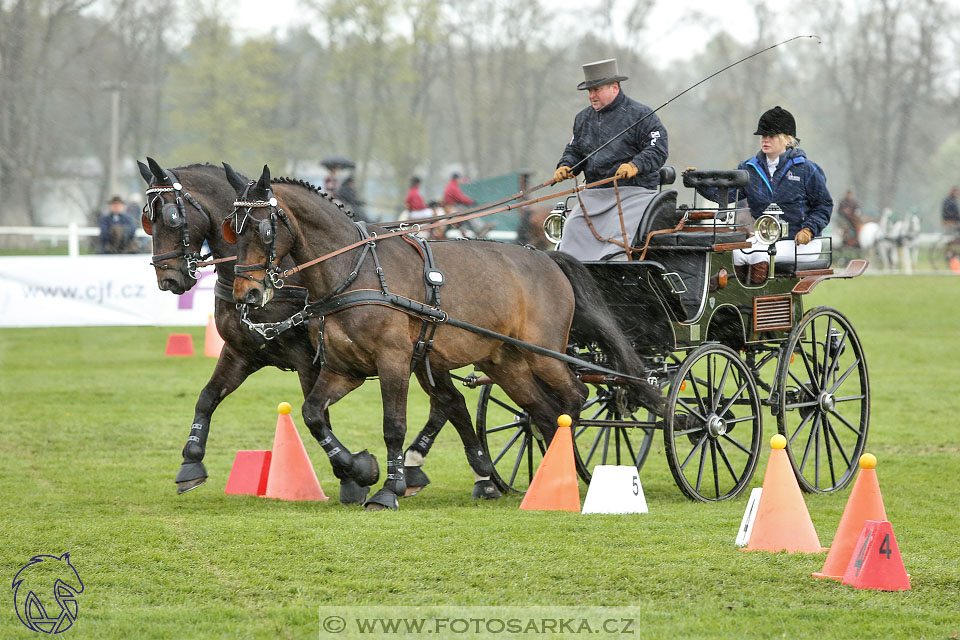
<point x="601" y="206"/>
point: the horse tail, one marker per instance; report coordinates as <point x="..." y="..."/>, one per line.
<point x="593" y="322"/>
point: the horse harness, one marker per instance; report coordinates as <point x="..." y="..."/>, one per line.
<point x="339" y="298"/>
<point x="174" y="216"/>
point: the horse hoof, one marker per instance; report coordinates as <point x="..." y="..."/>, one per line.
<point x="382" y="499"/>
<point x="189" y="485"/>
<point x="364" y="469"/>
<point x="191" y="471"/>
<point x="416" y="480"/>
<point x="486" y="490"/>
<point x="352" y="493"/>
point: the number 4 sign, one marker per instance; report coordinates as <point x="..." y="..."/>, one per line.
<point x="876" y="561"/>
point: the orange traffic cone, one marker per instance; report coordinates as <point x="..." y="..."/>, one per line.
<point x="865" y="503"/>
<point x="212" y="342"/>
<point x="782" y="522"/>
<point x="179" y="344"/>
<point x="876" y="561"/>
<point x="249" y="473"/>
<point x="955" y="264"/>
<point x="291" y="474"/>
<point x="554" y="486"/>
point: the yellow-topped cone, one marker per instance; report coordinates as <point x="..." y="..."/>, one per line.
<point x="554" y="487"/>
<point x="782" y="522"/>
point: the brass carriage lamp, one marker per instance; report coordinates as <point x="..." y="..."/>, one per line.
<point x="553" y="224"/>
<point x="770" y="227"/>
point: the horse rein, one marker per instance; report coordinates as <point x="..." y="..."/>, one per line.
<point x="442" y="221"/>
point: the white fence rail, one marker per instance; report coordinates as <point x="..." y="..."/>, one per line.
<point x="72" y="233"/>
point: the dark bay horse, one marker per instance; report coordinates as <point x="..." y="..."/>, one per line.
<point x="521" y="293"/>
<point x="178" y="236"/>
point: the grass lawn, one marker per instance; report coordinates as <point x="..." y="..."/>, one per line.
<point x="93" y="421"/>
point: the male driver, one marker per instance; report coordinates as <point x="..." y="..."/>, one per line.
<point x="634" y="157"/>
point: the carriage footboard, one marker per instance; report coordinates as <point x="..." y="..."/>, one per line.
<point x="812" y="279"/>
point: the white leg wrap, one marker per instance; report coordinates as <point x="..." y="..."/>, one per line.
<point x="477" y="478"/>
<point x="413" y="459"/>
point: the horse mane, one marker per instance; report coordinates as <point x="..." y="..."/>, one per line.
<point x="317" y="190"/>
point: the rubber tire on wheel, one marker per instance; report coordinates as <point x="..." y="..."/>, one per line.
<point x="593" y="445"/>
<point x="506" y="436"/>
<point x="824" y="400"/>
<point x="720" y="401"/>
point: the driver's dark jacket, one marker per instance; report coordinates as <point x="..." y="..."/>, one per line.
<point x="798" y="186"/>
<point x="645" y="144"/>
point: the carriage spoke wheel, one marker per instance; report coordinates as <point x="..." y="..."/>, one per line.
<point x="506" y="435"/>
<point x="824" y="400"/>
<point x="624" y="440"/>
<point x="713" y="423"/>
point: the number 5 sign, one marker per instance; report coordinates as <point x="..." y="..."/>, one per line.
<point x="876" y="561"/>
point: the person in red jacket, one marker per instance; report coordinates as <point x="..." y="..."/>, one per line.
<point x="454" y="195"/>
<point x="414" y="201"/>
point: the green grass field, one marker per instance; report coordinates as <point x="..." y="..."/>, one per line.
<point x="93" y="421"/>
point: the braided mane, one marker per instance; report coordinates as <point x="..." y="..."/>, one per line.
<point x="318" y="190"/>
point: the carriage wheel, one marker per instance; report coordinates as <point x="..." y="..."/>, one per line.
<point x="824" y="400"/>
<point x="506" y="435"/>
<point x="713" y="423"/>
<point x="618" y="444"/>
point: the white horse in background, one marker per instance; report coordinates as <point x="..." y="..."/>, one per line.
<point x="894" y="241"/>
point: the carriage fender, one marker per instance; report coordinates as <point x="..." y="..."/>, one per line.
<point x="726" y="326"/>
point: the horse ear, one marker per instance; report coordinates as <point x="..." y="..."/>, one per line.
<point x="145" y="172"/>
<point x="157" y="170"/>
<point x="235" y="179"/>
<point x="264" y="183"/>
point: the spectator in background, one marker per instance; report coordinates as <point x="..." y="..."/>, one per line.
<point x="453" y="195"/>
<point x="454" y="199"/>
<point x="331" y="184"/>
<point x="416" y="207"/>
<point x="849" y="210"/>
<point x="117" y="229"/>
<point x="351" y="199"/>
<point x="949" y="211"/>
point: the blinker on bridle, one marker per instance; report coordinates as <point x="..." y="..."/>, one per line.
<point x="174" y="216"/>
<point x="234" y="224"/>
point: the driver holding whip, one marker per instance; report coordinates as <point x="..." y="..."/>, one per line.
<point x="614" y="136"/>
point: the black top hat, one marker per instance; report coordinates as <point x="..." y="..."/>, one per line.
<point x="776" y="120"/>
<point x="600" y="73"/>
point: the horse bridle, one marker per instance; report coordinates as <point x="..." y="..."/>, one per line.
<point x="174" y="216"/>
<point x="233" y="225"/>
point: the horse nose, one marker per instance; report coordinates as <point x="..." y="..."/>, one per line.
<point x="252" y="297"/>
<point x="171" y="284"/>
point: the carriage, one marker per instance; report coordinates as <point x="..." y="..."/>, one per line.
<point x="721" y="350"/>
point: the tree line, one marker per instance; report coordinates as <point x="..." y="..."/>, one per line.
<point x="485" y="86"/>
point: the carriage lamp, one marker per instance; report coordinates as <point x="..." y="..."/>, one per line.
<point x="553" y="225"/>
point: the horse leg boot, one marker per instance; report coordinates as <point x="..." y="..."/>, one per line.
<point x="351" y="491"/>
<point x="229" y="373"/>
<point x="416" y="453"/>
<point x="394" y="384"/>
<point x="192" y="472"/>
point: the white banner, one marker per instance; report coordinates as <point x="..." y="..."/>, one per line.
<point x="60" y="291"/>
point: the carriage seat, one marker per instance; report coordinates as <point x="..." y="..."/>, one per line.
<point x="735" y="179"/>
<point x="662" y="214"/>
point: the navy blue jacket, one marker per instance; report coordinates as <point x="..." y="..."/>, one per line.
<point x="798" y="186"/>
<point x="645" y="144"/>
